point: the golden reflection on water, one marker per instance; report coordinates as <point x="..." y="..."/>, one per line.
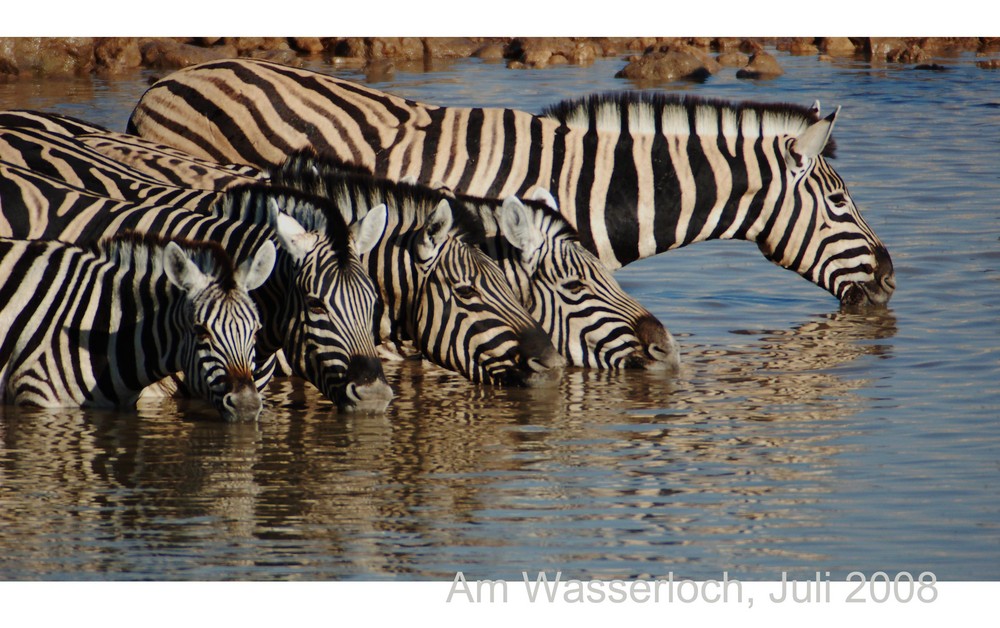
<point x="609" y="470"/>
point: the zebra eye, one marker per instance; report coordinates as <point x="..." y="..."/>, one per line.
<point x="316" y="305"/>
<point x="574" y="286"/>
<point x="201" y="332"/>
<point x="838" y="199"/>
<point x="466" y="292"/>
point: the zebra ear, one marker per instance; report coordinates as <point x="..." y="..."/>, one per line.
<point x="181" y="271"/>
<point x="368" y="231"/>
<point x="543" y="195"/>
<point x="517" y="226"/>
<point x="293" y="237"/>
<point x="813" y="140"/>
<point x="253" y="272"/>
<point x="435" y="230"/>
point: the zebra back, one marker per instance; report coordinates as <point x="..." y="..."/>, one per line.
<point x="93" y="326"/>
<point x="635" y="174"/>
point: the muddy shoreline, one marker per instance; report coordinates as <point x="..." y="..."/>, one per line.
<point x="643" y="58"/>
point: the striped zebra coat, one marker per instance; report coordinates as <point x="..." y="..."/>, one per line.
<point x="493" y="342"/>
<point x="589" y="318"/>
<point x="317" y="307"/>
<point x="635" y="173"/>
<point x="94" y="326"/>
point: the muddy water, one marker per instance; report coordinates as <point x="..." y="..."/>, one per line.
<point x="796" y="438"/>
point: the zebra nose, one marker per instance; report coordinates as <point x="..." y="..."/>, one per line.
<point x="366" y="389"/>
<point x="242" y="403"/>
<point x="659" y="349"/>
<point x="537" y="351"/>
<point x="885" y="275"/>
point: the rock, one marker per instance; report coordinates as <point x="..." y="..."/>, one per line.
<point x="407" y="48"/>
<point x="803" y="48"/>
<point x="733" y="59"/>
<point x="670" y="63"/>
<point x="490" y="52"/>
<point x="991" y="64"/>
<point x="50" y="56"/>
<point x="762" y="65"/>
<point x="837" y="46"/>
<point x="907" y="54"/>
<point x="113" y="55"/>
<point x="539" y="52"/>
<point x="8" y="59"/>
<point x="878" y="48"/>
<point x="308" y="45"/>
<point x="450" y="47"/>
<point x="166" y="54"/>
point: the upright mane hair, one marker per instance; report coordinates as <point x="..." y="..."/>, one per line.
<point x="131" y="247"/>
<point x="466" y="225"/>
<point x="611" y="111"/>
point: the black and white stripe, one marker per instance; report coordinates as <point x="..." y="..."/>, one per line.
<point x="442" y="293"/>
<point x="635" y="173"/>
<point x="319" y="304"/>
<point x="94" y="326"/>
<point x="589" y="318"/>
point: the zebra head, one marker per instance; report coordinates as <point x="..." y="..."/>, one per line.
<point x="466" y="318"/>
<point x="588" y="316"/>
<point x="825" y="238"/>
<point x="332" y="301"/>
<point x="219" y="325"/>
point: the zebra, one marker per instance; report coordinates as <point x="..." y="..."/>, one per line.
<point x="93" y="326"/>
<point x="635" y="174"/>
<point x="500" y="344"/>
<point x="592" y="322"/>
<point x="589" y="318"/>
<point x="318" y="306"/>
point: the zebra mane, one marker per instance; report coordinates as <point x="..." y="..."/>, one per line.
<point x="134" y="249"/>
<point x="249" y="202"/>
<point x="466" y="224"/>
<point x="652" y="110"/>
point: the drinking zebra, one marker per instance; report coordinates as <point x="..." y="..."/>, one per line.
<point x="590" y="319"/>
<point x="94" y="326"/>
<point x="635" y="173"/>
<point x="490" y="340"/>
<point x="587" y="315"/>
<point x="318" y="305"/>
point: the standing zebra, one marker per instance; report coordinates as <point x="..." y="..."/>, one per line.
<point x="94" y="326"/>
<point x="317" y="306"/>
<point x="635" y="173"/>
<point x="491" y="341"/>
<point x="590" y="319"/>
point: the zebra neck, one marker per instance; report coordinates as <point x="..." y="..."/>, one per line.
<point x="631" y="197"/>
<point x="132" y="337"/>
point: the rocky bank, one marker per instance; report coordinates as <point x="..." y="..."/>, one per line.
<point x="645" y="58"/>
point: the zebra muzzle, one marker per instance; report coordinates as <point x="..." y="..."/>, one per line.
<point x="366" y="389"/>
<point x="242" y="404"/>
